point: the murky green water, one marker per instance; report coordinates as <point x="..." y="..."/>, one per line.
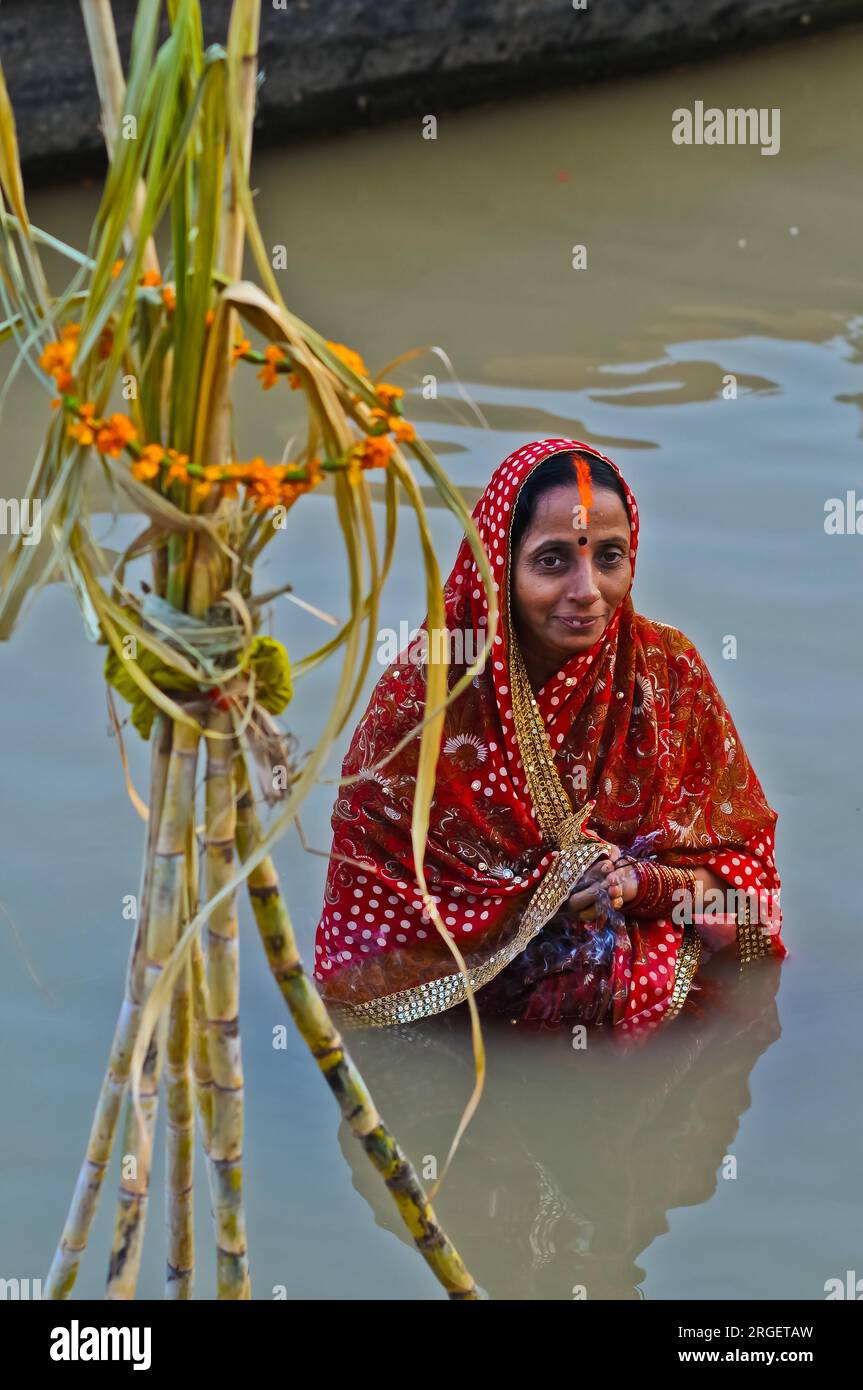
<point x="582" y="1169"/>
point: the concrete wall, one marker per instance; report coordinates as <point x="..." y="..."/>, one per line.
<point x="337" y="63"/>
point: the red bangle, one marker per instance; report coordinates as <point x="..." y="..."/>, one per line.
<point x="658" y="887"/>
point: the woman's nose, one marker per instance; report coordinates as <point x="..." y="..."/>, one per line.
<point x="582" y="586"/>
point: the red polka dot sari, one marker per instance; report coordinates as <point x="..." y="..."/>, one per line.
<point x="635" y="726"/>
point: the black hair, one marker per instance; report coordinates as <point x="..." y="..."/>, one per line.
<point x="559" y="471"/>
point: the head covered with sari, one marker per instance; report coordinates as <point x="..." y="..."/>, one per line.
<point x="628" y="741"/>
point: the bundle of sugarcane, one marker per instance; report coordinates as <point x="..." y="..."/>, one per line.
<point x="188" y="656"/>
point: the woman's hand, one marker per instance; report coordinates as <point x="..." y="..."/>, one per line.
<point x="620" y="882"/>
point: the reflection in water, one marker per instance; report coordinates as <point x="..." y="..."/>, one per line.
<point x="575" y="1157"/>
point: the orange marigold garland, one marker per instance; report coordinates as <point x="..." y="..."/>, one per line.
<point x="267" y="485"/>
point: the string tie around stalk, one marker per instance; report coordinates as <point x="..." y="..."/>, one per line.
<point x="250" y="678"/>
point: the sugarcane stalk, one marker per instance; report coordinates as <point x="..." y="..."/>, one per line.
<point x="203" y="1076"/>
<point x="223" y="978"/>
<point x="213" y="442"/>
<point x="180" y="1143"/>
<point x="67" y="1257"/>
<point x="162" y="930"/>
<point x="201" y="1047"/>
<point x="180" y="1133"/>
<point x="341" y="1075"/>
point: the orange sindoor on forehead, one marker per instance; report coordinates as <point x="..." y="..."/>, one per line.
<point x="585" y="492"/>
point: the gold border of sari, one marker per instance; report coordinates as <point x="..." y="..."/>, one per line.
<point x="752" y="941"/>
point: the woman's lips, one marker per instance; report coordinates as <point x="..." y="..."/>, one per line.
<point x="576" y="624"/>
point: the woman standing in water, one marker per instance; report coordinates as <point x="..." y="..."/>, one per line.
<point x="591" y="788"/>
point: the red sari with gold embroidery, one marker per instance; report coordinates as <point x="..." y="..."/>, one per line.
<point x="635" y="724"/>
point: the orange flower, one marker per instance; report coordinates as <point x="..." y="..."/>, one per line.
<point x="148" y="464"/>
<point x="387" y="395"/>
<point x="210" y="318"/>
<point x="402" y="429"/>
<point x="114" y="434"/>
<point x="212" y="474"/>
<point x="57" y="356"/>
<point x="266" y="489"/>
<point x="116" y="268"/>
<point x="256" y="468"/>
<point x="151" y="277"/>
<point x="290" y="491"/>
<point x="53" y="358"/>
<point x="288" y="494"/>
<point x="106" y="343"/>
<point x="349" y="357"/>
<point x="169" y="298"/>
<point x="268" y="375"/>
<point x="373" y="452"/>
<point x="84" y="428"/>
<point x="295" y="381"/>
<point x="241" y="348"/>
<point x="178" y="470"/>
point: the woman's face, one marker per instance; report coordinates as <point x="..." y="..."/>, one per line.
<point x="567" y="582"/>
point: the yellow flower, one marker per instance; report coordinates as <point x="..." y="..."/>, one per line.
<point x="349" y="357"/>
<point x="114" y="434"/>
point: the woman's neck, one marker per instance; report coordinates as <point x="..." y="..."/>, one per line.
<point x="539" y="670"/>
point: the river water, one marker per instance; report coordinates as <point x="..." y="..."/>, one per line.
<point x="722" y="1161"/>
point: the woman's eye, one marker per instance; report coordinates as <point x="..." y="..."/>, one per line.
<point x="549" y="562"/>
<point x="611" y="557"/>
